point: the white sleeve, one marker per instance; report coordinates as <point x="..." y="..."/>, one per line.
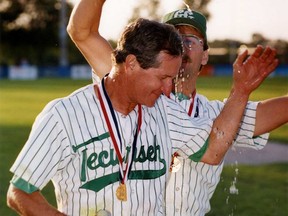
<point x="188" y="135"/>
<point x="245" y="134"/>
<point x="44" y="152"/>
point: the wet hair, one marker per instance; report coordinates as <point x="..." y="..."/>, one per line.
<point x="146" y="39"/>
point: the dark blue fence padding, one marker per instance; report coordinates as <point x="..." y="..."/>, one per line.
<point x="3" y="72"/>
<point x="227" y="70"/>
<point x="281" y="70"/>
<point x="54" y="71"/>
<point x="223" y="70"/>
<point x="69" y="71"/>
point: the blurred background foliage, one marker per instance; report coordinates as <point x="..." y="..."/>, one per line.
<point x="36" y="30"/>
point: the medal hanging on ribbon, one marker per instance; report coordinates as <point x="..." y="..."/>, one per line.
<point x="121" y="191"/>
<point x="175" y="163"/>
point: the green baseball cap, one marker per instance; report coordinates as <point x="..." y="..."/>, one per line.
<point x="190" y="18"/>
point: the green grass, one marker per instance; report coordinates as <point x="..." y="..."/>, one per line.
<point x="262" y="190"/>
<point x="21" y="101"/>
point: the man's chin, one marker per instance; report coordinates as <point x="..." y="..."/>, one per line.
<point x="151" y="102"/>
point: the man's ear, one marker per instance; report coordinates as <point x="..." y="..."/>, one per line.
<point x="205" y="57"/>
<point x="130" y="62"/>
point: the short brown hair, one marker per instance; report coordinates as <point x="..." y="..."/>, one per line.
<point x="146" y="39"/>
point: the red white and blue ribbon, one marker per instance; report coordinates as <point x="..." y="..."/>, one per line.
<point x="113" y="127"/>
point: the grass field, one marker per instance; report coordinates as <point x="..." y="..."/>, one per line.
<point x="262" y="189"/>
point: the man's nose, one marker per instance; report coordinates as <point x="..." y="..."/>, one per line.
<point x="167" y="87"/>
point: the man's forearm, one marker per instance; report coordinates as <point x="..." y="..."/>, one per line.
<point x="83" y="29"/>
<point x="30" y="204"/>
<point x="225" y="127"/>
<point x="270" y="114"/>
<point x="84" y="19"/>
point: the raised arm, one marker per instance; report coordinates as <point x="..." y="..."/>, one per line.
<point x="247" y="76"/>
<point x="83" y="29"/>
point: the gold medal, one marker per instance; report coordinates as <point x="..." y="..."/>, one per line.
<point x="175" y="164"/>
<point x="121" y="192"/>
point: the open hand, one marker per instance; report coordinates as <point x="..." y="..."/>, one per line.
<point x="249" y="74"/>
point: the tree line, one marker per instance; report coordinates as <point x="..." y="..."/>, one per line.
<point x="29" y="31"/>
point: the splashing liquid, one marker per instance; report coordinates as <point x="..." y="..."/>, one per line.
<point x="233" y="189"/>
<point x="178" y="85"/>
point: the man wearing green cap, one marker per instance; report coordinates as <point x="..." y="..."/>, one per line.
<point x="194" y="183"/>
<point x="191" y="184"/>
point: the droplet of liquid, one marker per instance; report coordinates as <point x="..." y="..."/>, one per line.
<point x="227" y="200"/>
<point x="233" y="189"/>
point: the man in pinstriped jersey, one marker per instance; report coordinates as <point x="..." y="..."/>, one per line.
<point x="191" y="187"/>
<point x="203" y="175"/>
<point x="192" y="184"/>
<point x="107" y="146"/>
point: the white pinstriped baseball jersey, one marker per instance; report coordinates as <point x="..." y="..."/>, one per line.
<point x="70" y="144"/>
<point x="190" y="189"/>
